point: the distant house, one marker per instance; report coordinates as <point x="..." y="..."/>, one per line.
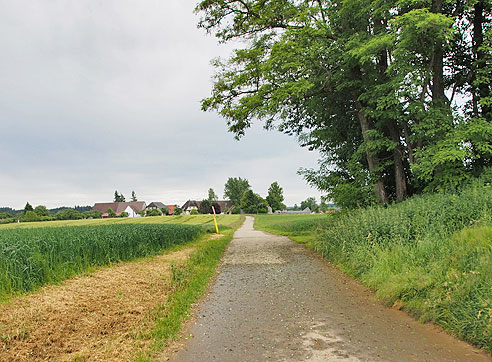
<point x="190" y="205"/>
<point x="132" y="208"/>
<point x="170" y="209"/>
<point x="225" y="206"/>
<point x="156" y="205"/>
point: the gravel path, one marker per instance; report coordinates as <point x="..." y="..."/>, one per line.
<point x="276" y="300"/>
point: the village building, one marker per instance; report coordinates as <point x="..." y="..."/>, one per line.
<point x="224" y="205"/>
<point x="133" y="208"/>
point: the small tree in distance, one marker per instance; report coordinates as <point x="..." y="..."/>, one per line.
<point x="177" y="210"/>
<point x="275" y="197"/>
<point x="28" y="207"/>
<point x="134" y="196"/>
<point x="212" y="196"/>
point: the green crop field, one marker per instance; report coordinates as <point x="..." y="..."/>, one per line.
<point x="32" y="257"/>
<point x="226" y="220"/>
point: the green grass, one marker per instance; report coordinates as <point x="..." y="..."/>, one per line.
<point x="298" y="227"/>
<point x="33" y="257"/>
<point x="190" y="281"/>
<point x="227" y="220"/>
<point x="432" y="254"/>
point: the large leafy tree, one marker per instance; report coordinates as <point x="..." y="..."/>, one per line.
<point x="362" y="81"/>
<point x="275" y="197"/>
<point x="253" y="203"/>
<point x="234" y="189"/>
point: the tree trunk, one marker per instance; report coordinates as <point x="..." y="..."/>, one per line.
<point x="483" y="88"/>
<point x="406" y="132"/>
<point x="438" y="63"/>
<point x="372" y="160"/>
<point x="400" y="177"/>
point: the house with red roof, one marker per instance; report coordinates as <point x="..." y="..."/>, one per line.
<point x="132" y="208"/>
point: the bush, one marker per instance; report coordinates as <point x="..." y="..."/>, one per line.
<point x="153" y="212"/>
<point x="30" y="216"/>
<point x="124" y="214"/>
<point x="69" y="214"/>
<point x="194" y="212"/>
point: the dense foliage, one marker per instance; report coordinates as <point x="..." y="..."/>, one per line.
<point x="394" y="94"/>
<point x="30" y="258"/>
<point x="234" y="189"/>
<point x="252" y="203"/>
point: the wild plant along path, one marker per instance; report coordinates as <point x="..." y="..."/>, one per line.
<point x="276" y="300"/>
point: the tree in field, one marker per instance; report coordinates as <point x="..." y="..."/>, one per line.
<point x="311" y="203"/>
<point x="212" y="196"/>
<point x="28" y="207"/>
<point x="234" y="189"/>
<point x="376" y="86"/>
<point x="252" y="203"/>
<point x="118" y="197"/>
<point x="275" y="197"/>
<point x="134" y="196"/>
<point x="205" y="207"/>
<point x="41" y="210"/>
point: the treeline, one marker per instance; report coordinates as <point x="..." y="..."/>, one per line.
<point x="41" y="213"/>
<point x="396" y="95"/>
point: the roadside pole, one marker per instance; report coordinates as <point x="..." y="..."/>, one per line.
<point x="215" y="220"/>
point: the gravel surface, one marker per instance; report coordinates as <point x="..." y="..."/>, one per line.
<point x="276" y="300"/>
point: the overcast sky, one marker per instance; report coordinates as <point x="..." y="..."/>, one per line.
<point x="99" y="95"/>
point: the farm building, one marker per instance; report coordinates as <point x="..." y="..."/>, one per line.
<point x="190" y="205"/>
<point x="132" y="208"/>
<point x="156" y="205"/>
<point x="225" y="206"/>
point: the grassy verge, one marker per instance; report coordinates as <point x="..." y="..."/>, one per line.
<point x="430" y="255"/>
<point x="190" y="281"/>
<point x="297" y="227"/>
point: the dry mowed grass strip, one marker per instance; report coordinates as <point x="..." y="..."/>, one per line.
<point x="96" y="317"/>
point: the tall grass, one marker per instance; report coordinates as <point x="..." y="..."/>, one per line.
<point x="431" y="254"/>
<point x="30" y="258"/>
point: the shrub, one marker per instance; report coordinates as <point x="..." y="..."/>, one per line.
<point x="194" y="212"/>
<point x="153" y="212"/>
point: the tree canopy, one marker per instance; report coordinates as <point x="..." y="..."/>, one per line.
<point x="396" y="95"/>
<point x="234" y="189"/>
<point x="253" y="203"/>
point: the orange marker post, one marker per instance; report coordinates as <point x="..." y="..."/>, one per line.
<point x="215" y="221"/>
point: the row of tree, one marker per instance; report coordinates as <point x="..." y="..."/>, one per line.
<point x="396" y="95"/>
<point x="238" y="191"/>
<point x="120" y="198"/>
